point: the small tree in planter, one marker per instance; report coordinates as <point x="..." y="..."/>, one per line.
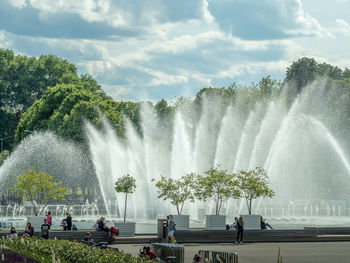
<point x="254" y="183"/>
<point x="126" y="185"/>
<point x="217" y="185"/>
<point x="177" y="191"/>
<point x="39" y="187"/>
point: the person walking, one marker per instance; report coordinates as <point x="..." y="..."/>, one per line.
<point x="171" y="230"/>
<point x="240" y="224"/>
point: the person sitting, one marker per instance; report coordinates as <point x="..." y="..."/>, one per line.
<point x="197" y="258"/>
<point x="88" y="240"/>
<point x="235" y="224"/>
<point x="45" y="229"/>
<point x="29" y="231"/>
<point x="13" y="233"/>
<point x="64" y="224"/>
<point x="101" y="225"/>
<point x="148" y="253"/>
<point x="264" y="224"/>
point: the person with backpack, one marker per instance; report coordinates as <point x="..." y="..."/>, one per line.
<point x="240" y="224"/>
<point x="171" y="230"/>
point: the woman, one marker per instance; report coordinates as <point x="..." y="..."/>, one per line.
<point x="240" y="224"/>
<point x="13" y="233"/>
<point x="29" y="231"/>
<point x="68" y="221"/>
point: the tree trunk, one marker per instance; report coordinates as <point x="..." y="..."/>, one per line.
<point x="126" y="201"/>
<point x="250" y="206"/>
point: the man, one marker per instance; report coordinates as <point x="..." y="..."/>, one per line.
<point x="101" y="225"/>
<point x="45" y="229"/>
<point x="171" y="230"/>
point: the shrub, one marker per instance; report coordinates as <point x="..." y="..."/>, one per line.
<point x="67" y="251"/>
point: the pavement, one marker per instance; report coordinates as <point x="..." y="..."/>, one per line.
<point x="294" y="252"/>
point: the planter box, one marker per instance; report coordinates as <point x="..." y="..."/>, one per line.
<point x="126" y="229"/>
<point x="251" y="222"/>
<point x="36" y="221"/>
<point x="215" y="222"/>
<point x="182" y="222"/>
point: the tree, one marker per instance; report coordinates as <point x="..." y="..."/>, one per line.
<point x="38" y="186"/>
<point x="254" y="183"/>
<point x="177" y="191"/>
<point x="126" y="185"/>
<point x="217" y="185"/>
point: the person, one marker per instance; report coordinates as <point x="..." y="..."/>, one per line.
<point x="0" y="225"/>
<point x="63" y="224"/>
<point x="240" y="224"/>
<point x="49" y="218"/>
<point x="171" y="230"/>
<point x="68" y="221"/>
<point x="197" y="258"/>
<point x="45" y="229"/>
<point x="13" y="233"/>
<point x="29" y="230"/>
<point x="235" y="223"/>
<point x="88" y="240"/>
<point x="148" y="253"/>
<point x="264" y="224"/>
<point x="101" y="225"/>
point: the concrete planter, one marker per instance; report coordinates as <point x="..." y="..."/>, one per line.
<point x="36" y="221"/>
<point x="215" y="222"/>
<point x="126" y="229"/>
<point x="182" y="222"/>
<point x="251" y="222"/>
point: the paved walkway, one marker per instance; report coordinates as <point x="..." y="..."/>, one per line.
<point x="296" y="252"/>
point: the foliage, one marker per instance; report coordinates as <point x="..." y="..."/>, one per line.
<point x="178" y="191"/>
<point x="217" y="185"/>
<point x="66" y="251"/>
<point x="3" y="156"/>
<point x="127" y="185"/>
<point x="253" y="184"/>
<point x="64" y="108"/>
<point x="39" y="187"/>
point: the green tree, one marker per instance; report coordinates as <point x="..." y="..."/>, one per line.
<point x="254" y="183"/>
<point x="217" y="185"/>
<point x="301" y="72"/>
<point x="64" y="108"/>
<point x="177" y="191"/>
<point x="126" y="185"/>
<point x="38" y="186"/>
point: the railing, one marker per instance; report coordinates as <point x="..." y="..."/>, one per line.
<point x="169" y="252"/>
<point x="217" y="256"/>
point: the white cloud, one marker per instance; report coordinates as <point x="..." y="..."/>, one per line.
<point x="18" y="3"/>
<point x="342" y="28"/>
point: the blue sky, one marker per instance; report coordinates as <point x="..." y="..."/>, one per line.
<point x="153" y="49"/>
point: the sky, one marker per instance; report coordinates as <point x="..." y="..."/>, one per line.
<point x="154" y="49"/>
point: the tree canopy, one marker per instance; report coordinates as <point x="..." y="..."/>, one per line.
<point x="39" y="187"/>
<point x="177" y="191"/>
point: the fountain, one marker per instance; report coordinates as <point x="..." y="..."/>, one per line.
<point x="296" y="144"/>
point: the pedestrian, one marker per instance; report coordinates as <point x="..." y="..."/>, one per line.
<point x="49" y="218"/>
<point x="240" y="224"/>
<point x="29" y="230"/>
<point x="45" y="229"/>
<point x="68" y="221"/>
<point x="171" y="230"/>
